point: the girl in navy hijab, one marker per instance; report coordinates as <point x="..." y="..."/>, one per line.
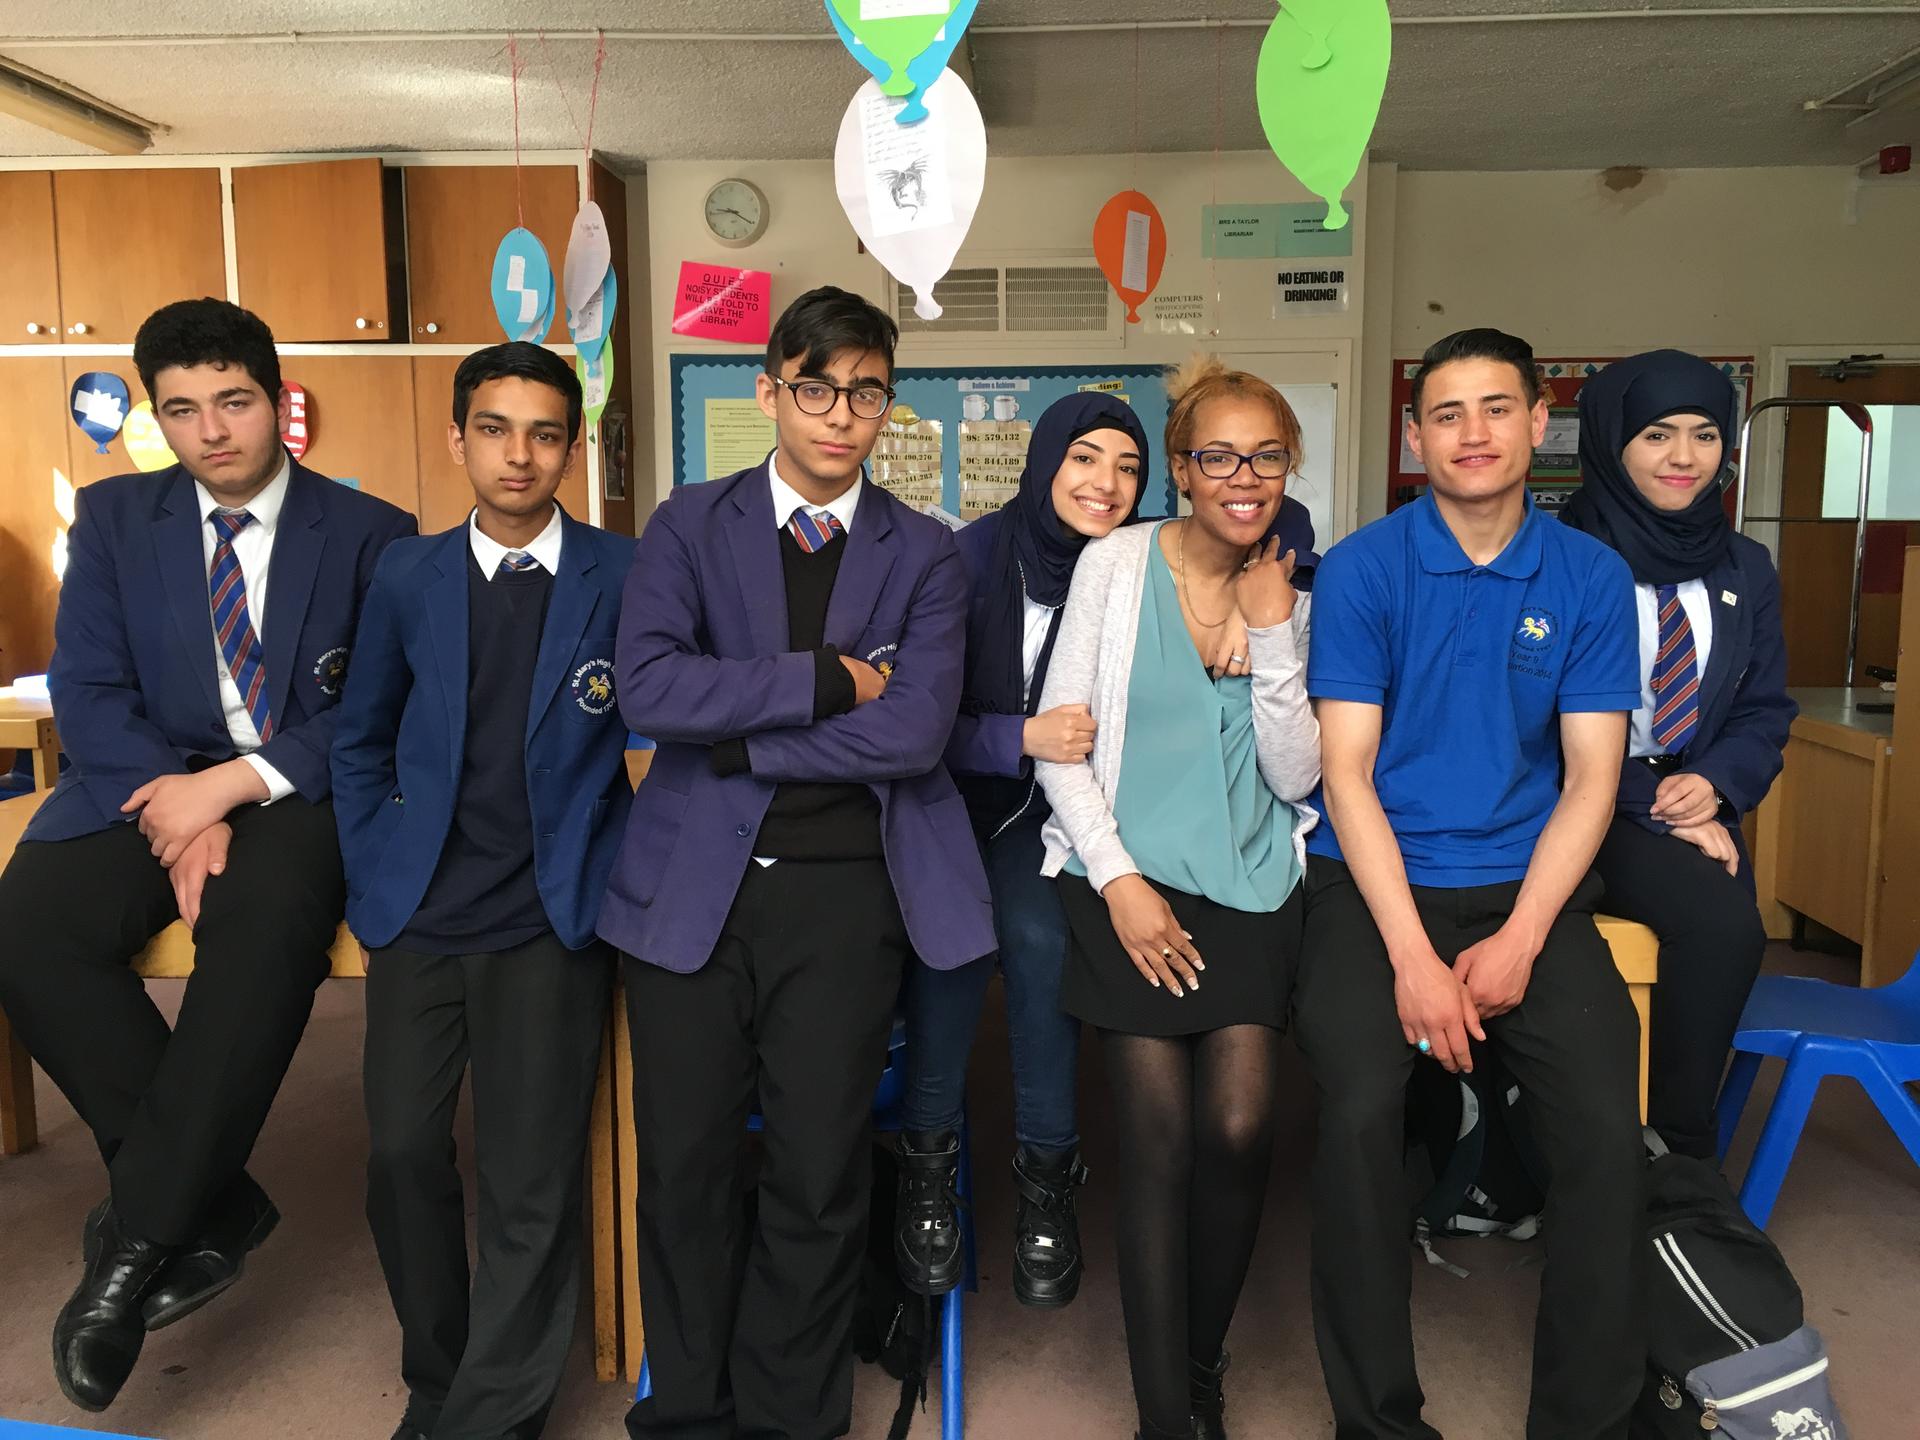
<point x="1655" y="435"/>
<point x="1085" y="465"/>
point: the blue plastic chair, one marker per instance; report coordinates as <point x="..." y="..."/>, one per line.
<point x="887" y="1120"/>
<point x="1820" y="1029"/>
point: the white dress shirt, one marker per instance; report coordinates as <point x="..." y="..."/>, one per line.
<point x="488" y="552"/>
<point x="1033" y="639"/>
<point x="253" y="548"/>
<point x="1698" y="608"/>
<point x="786" y="499"/>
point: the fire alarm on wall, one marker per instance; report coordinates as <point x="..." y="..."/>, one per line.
<point x="1896" y="159"/>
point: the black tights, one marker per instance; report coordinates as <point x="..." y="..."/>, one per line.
<point x="1196" y="1144"/>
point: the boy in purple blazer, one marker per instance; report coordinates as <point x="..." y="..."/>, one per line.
<point x="791" y="637"/>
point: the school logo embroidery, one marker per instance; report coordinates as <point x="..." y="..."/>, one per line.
<point x="1536" y="630"/>
<point x="1535" y="634"/>
<point x="330" y="670"/>
<point x="1806" y="1423"/>
<point x="593" y="686"/>
<point x="882" y="660"/>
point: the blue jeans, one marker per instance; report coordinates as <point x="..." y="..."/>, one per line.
<point x="943" y="1007"/>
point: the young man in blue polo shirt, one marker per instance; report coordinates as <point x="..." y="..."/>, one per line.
<point x="1473" y="667"/>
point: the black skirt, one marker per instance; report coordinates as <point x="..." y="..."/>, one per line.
<point x="1251" y="959"/>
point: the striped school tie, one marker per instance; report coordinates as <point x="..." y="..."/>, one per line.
<point x="515" y="561"/>
<point x="814" y="531"/>
<point x="233" y="625"/>
<point x="1676" y="675"/>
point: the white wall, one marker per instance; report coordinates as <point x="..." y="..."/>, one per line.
<point x="1033" y="207"/>
<point x="1721" y="262"/>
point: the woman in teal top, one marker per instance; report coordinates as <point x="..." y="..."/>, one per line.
<point x="1178" y="847"/>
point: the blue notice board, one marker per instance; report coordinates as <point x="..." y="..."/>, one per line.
<point x="1005" y="398"/>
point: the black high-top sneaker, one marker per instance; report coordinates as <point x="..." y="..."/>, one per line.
<point x="926" y="1230"/>
<point x="1046" y="1232"/>
<point x="1209" y="1404"/>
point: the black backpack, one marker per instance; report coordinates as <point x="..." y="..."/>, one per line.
<point x="1472" y="1165"/>
<point x="1717" y="1288"/>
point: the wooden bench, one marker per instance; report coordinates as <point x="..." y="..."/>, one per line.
<point x="170" y="956"/>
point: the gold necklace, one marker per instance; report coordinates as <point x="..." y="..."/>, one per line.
<point x="1180" y="551"/>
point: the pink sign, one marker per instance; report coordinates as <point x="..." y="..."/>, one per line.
<point x="718" y="302"/>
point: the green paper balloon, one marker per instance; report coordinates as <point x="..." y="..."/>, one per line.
<point x="896" y="34"/>
<point x="1323" y="71"/>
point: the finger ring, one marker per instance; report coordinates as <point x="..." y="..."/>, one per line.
<point x="1425" y="1047"/>
<point x="1239" y="659"/>
<point x="1166" y="952"/>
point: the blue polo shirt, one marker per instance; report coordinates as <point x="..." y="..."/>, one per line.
<point x="1472" y="665"/>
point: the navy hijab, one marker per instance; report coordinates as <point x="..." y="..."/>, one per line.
<point x="1662" y="547"/>
<point x="1034" y="554"/>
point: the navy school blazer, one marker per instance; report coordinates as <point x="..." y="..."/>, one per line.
<point x="135" y="688"/>
<point x="402" y="735"/>
<point x="1745" y="712"/>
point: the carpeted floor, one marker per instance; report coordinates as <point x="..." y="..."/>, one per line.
<point x="306" y="1345"/>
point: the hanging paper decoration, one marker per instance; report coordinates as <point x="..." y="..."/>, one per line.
<point x="596" y="384"/>
<point x="910" y="192"/>
<point x="1130" y="242"/>
<point x="1323" y="71"/>
<point x="297" y="433"/>
<point x="924" y="68"/>
<point x="893" y="33"/>
<point x="592" y="323"/>
<point x="99" y="401"/>
<point x="589" y="252"/>
<point x="146" y="446"/>
<point x="523" y="286"/>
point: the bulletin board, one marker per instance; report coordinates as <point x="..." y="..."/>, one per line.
<point x="957" y="438"/>
<point x="1556" y="464"/>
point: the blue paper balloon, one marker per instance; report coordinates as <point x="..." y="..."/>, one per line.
<point x="923" y="69"/>
<point x="99" y="400"/>
<point x="523" y="286"/>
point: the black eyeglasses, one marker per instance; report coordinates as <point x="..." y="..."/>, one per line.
<point x="1225" y="464"/>
<point x="818" y="397"/>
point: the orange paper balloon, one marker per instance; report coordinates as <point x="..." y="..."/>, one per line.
<point x="1130" y="242"/>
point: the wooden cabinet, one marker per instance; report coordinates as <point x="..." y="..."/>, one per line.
<point x="445" y="493"/>
<point x="33" y="471"/>
<point x="29" y="274"/>
<point x="319" y="250"/>
<point x="130" y="241"/>
<point x="456" y="215"/>
<point x="360" y="412"/>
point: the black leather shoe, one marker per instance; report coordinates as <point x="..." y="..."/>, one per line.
<point x="242" y="1219"/>
<point x="1046" y="1231"/>
<point x="407" y="1432"/>
<point x="1209" y="1404"/>
<point x="98" y="1334"/>
<point x="926" y="1229"/>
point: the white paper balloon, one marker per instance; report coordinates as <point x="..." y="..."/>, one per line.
<point x="910" y="191"/>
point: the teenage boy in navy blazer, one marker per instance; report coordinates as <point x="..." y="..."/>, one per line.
<point x="205" y="623"/>
<point x="480" y="780"/>
<point x="792" y="639"/>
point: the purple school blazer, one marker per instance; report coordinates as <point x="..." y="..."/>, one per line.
<point x="703" y="656"/>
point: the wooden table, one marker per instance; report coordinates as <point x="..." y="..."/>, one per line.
<point x="27" y="724"/>
<point x="1817" y="835"/>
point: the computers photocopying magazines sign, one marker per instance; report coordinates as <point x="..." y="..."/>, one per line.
<point x="1310" y="292"/>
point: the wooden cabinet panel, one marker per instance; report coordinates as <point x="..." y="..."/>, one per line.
<point x="359" y="409"/>
<point x="456" y="215"/>
<point x="33" y="468"/>
<point x="445" y="493"/>
<point x="29" y="276"/>
<point x="131" y="241"/>
<point x="317" y="246"/>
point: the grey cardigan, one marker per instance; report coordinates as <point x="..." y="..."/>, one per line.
<point x="1092" y="665"/>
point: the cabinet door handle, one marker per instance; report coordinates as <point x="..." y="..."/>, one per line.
<point x="430" y="328"/>
<point x="37" y="329"/>
<point x="78" y="328"/>
<point x="360" y="322"/>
